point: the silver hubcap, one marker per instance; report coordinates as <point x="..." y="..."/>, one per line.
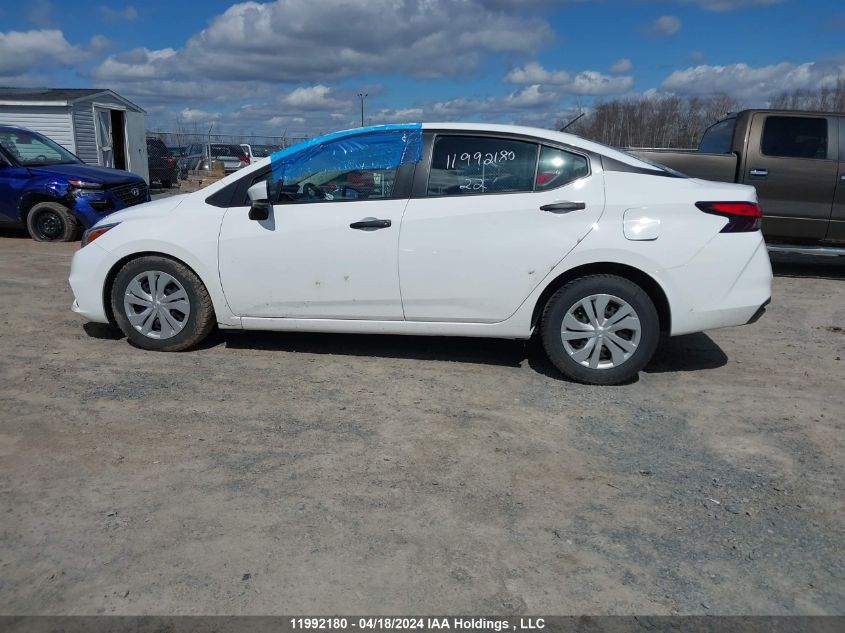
<point x="156" y="305"/>
<point x="601" y="331"/>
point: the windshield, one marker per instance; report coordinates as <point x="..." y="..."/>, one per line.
<point x="30" y="149"/>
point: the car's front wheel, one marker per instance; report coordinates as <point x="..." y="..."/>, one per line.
<point x="600" y="329"/>
<point x="160" y="304"/>
<point x="51" y="222"/>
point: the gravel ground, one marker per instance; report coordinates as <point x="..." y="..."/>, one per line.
<point x="273" y="473"/>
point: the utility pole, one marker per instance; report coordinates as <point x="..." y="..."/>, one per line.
<point x="362" y="96"/>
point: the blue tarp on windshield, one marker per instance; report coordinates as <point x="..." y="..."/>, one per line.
<point x="370" y="148"/>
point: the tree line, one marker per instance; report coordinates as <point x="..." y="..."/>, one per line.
<point x="671" y="121"/>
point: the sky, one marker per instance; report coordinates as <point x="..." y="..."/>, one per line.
<point x="297" y="66"/>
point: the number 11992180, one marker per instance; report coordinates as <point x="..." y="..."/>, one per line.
<point x="479" y="158"/>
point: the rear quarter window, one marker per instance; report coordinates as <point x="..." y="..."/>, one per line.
<point x="718" y="139"/>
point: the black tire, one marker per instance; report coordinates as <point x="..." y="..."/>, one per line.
<point x="198" y="323"/>
<point x="166" y="184"/>
<point x="52" y="222"/>
<point x="615" y="372"/>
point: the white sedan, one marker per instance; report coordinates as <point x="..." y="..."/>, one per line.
<point x="437" y="229"/>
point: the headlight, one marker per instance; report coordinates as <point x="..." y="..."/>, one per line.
<point x="96" y="231"/>
<point x="82" y="184"/>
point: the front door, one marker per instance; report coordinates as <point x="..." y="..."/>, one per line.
<point x="490" y="224"/>
<point x="329" y="248"/>
<point x="792" y="161"/>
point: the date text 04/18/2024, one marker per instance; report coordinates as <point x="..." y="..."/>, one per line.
<point x="418" y="624"/>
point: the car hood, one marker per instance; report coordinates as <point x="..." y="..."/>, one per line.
<point x="155" y="209"/>
<point x="100" y="175"/>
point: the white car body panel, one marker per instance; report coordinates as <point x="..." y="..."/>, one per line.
<point x="477" y="260"/>
<point x="452" y="266"/>
<point x="311" y="263"/>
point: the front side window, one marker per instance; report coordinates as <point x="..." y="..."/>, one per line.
<point x="31" y="149"/>
<point x="795" y="137"/>
<point x="351" y="167"/>
<point x="469" y="165"/>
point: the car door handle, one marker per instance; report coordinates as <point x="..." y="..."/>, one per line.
<point x="563" y="207"/>
<point x="370" y="224"/>
<point x="759" y="173"/>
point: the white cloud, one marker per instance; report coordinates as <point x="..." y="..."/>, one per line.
<point x="624" y="65"/>
<point x="586" y="83"/>
<point x="317" y="97"/>
<point x="293" y="41"/>
<point x="754" y="84"/>
<point x="664" y="26"/>
<point x="194" y="115"/>
<point x="21" y="51"/>
<point x="127" y="14"/>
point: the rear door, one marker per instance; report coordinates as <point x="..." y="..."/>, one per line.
<point x="792" y="160"/>
<point x="475" y="237"/>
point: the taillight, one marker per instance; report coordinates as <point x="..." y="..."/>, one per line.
<point x="170" y="161"/>
<point x="742" y="216"/>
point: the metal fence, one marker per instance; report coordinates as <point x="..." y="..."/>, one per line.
<point x="182" y="139"/>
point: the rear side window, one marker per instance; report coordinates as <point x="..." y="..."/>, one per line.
<point x="718" y="139"/>
<point x="558" y="167"/>
<point x="470" y="165"/>
<point x="795" y="137"/>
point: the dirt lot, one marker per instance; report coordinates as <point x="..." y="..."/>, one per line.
<point x="270" y="473"/>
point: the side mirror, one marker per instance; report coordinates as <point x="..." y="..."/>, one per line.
<point x="260" y="206"/>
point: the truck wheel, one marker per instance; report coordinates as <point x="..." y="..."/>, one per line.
<point x="600" y="329"/>
<point x="51" y="222"/>
<point x="161" y="305"/>
<point x="166" y="184"/>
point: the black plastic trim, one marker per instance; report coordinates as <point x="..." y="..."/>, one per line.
<point x="760" y="312"/>
<point x="611" y="164"/>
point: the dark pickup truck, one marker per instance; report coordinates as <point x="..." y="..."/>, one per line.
<point x="796" y="160"/>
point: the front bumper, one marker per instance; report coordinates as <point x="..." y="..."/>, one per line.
<point x="88" y="270"/>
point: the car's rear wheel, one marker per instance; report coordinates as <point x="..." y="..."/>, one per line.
<point x="52" y="222"/>
<point x="160" y="304"/>
<point x="166" y="184"/>
<point x="600" y="329"/>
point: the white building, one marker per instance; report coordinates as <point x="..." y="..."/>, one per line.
<point x="96" y="124"/>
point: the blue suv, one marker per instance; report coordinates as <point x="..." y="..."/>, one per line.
<point x="54" y="194"/>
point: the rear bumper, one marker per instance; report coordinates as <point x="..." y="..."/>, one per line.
<point x="732" y="284"/>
